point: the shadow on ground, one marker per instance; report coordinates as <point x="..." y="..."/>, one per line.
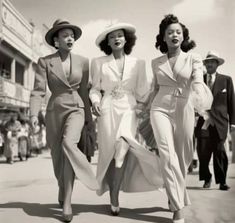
<point x="54" y="211"/>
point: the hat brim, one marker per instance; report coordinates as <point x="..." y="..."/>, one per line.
<point x="220" y="60"/>
<point x="51" y="32"/>
<point x="125" y="26"/>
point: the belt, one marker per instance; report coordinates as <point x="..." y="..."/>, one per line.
<point x="175" y="91"/>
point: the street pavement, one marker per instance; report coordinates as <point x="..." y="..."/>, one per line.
<point x="28" y="194"/>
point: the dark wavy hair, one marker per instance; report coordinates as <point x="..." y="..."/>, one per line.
<point x="169" y="19"/>
<point x="130" y="42"/>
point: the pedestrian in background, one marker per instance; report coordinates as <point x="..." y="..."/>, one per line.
<point x="23" y="140"/>
<point x="177" y="74"/>
<point x="12" y="128"/>
<point x="66" y="75"/>
<point x="118" y="94"/>
<point x="212" y="127"/>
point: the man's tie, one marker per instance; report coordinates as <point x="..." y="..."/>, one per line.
<point x="209" y="82"/>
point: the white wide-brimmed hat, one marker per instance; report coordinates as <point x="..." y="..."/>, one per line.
<point x="114" y="26"/>
<point x="58" y="25"/>
<point x="213" y="55"/>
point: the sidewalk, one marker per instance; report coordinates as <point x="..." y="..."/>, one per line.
<point x="28" y="194"/>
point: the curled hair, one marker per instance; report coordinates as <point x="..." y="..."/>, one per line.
<point x="130" y="38"/>
<point x="56" y="34"/>
<point x="169" y="19"/>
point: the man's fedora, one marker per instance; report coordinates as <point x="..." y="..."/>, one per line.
<point x="213" y="55"/>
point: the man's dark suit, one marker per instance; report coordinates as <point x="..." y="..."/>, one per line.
<point x="212" y="139"/>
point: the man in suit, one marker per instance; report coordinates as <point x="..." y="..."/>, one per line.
<point x="212" y="127"/>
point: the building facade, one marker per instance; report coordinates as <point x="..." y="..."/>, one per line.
<point x="21" y="44"/>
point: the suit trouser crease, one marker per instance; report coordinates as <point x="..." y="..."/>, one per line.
<point x="173" y="175"/>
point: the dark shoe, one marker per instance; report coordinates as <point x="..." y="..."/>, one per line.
<point x="224" y="187"/>
<point x="207" y="184"/>
<point x="115" y="210"/>
<point x="67" y="217"/>
<point x="194" y="164"/>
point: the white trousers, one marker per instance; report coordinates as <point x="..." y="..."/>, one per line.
<point x="175" y="144"/>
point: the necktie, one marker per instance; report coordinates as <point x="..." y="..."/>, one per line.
<point x="209" y="82"/>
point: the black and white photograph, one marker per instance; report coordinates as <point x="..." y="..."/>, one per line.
<point x="117" y="111"/>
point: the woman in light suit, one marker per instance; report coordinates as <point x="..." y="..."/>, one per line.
<point x="176" y="74"/>
<point x="66" y="75"/>
<point x="119" y="90"/>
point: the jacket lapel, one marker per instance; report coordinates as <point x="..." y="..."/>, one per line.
<point x="112" y="64"/>
<point x="128" y="65"/>
<point x="165" y="67"/>
<point x="217" y="84"/>
<point x="57" y="69"/>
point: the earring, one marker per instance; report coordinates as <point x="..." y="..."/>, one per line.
<point x="56" y="44"/>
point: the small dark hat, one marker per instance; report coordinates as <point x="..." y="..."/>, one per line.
<point x="58" y="25"/>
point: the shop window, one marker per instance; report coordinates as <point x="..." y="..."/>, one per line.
<point x="19" y="78"/>
<point x="5" y="66"/>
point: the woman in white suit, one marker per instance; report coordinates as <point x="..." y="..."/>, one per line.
<point x="119" y="90"/>
<point x="176" y="74"/>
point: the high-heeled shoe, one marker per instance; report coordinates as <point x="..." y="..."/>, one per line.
<point x="67" y="217"/>
<point x="115" y="210"/>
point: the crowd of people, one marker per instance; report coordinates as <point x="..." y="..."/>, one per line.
<point x="19" y="141"/>
<point x="146" y="133"/>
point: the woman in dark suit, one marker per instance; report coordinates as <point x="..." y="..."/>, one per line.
<point x="66" y="75"/>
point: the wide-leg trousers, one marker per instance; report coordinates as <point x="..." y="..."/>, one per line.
<point x="63" y="133"/>
<point x="174" y="136"/>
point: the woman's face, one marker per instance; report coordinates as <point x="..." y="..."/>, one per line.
<point x="174" y="35"/>
<point x="116" y="40"/>
<point x="65" y="39"/>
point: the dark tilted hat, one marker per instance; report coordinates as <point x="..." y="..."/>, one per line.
<point x="58" y="25"/>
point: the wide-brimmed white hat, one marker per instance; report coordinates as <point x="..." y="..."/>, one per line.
<point x="110" y="28"/>
<point x="213" y="55"/>
<point x="58" y="25"/>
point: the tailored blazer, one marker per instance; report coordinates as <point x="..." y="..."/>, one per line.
<point x="105" y="75"/>
<point x="222" y="111"/>
<point x="72" y="91"/>
<point x="177" y="81"/>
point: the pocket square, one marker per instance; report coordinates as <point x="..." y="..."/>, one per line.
<point x="224" y="90"/>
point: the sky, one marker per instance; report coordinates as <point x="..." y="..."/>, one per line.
<point x="211" y="23"/>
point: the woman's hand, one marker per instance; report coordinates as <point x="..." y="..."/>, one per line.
<point x="96" y="108"/>
<point x="197" y="88"/>
<point x="140" y="110"/>
<point x="34" y="121"/>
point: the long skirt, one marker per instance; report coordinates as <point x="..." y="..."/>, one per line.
<point x="142" y="170"/>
